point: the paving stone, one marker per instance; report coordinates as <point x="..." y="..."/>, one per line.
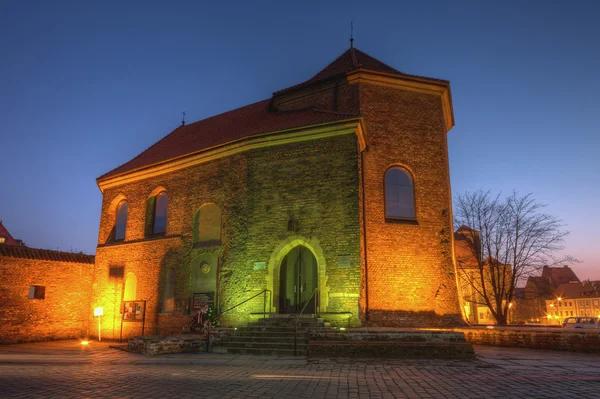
<point x="63" y="371"/>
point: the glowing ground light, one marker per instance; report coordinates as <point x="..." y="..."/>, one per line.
<point x="85" y="342"/>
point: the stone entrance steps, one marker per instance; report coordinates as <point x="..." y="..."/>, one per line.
<point x="271" y="336"/>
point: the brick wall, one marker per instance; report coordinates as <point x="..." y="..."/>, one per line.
<point x="411" y="276"/>
<point x="314" y="183"/>
<point x="63" y="313"/>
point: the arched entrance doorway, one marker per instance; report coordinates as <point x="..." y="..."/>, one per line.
<point x="298" y="278"/>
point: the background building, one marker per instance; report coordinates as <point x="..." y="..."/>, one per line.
<point x="44" y="294"/>
<point x="540" y="289"/>
<point x="574" y="299"/>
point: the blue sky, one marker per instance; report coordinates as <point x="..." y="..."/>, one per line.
<point x="86" y="86"/>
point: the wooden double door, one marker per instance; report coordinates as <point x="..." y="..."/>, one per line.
<point x="298" y="280"/>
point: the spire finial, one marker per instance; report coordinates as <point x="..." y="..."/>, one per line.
<point x="183" y="118"/>
<point x="351" y="34"/>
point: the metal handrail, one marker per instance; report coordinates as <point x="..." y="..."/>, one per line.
<point x="264" y="292"/>
<point x="298" y="318"/>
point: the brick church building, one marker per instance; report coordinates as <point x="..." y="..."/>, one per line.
<point x="333" y="193"/>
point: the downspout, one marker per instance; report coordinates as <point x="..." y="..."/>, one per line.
<point x="364" y="217"/>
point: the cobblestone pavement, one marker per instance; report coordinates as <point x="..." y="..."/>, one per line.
<point x="65" y="369"/>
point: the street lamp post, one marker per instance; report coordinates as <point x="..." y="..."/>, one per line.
<point x="98" y="312"/>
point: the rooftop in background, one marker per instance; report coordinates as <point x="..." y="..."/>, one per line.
<point x="6" y="238"/>
<point x="44" y="254"/>
<point x="559" y="275"/>
<point x="578" y="290"/>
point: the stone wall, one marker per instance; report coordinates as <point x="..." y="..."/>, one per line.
<point x="421" y="344"/>
<point x="536" y="338"/>
<point x="157" y="345"/>
<point x="63" y="312"/>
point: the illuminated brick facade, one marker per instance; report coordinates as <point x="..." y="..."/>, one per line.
<point x="44" y="295"/>
<point x="294" y="178"/>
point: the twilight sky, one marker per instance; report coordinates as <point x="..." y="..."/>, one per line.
<point x="85" y="88"/>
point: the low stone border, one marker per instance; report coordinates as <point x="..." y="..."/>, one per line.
<point x="159" y="345"/>
<point x="394" y="343"/>
<point x="573" y="340"/>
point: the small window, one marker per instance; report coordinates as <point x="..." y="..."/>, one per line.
<point x="208" y="225"/>
<point x="399" y="194"/>
<point x="37" y="292"/>
<point x="159" y="225"/>
<point x="116" y="271"/>
<point x="168" y="297"/>
<point x="121" y="222"/>
<point x="2" y="240"/>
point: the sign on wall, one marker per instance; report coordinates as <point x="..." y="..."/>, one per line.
<point x="134" y="311"/>
<point x="201" y="299"/>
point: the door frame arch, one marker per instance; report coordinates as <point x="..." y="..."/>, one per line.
<point x="273" y="277"/>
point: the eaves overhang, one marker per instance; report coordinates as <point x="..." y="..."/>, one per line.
<point x="354" y="125"/>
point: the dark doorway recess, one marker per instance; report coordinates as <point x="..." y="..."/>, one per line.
<point x="299" y="279"/>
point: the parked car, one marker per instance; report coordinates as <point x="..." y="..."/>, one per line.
<point x="581" y="322"/>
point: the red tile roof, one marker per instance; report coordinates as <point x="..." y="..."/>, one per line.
<point x="8" y="239"/>
<point x="253" y="119"/>
<point x="350" y="60"/>
<point x="44" y="254"/>
<point x="223" y="128"/>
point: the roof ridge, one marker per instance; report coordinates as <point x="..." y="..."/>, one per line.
<point x="322" y="69"/>
<point x="354" y="60"/>
<point x="383" y="63"/>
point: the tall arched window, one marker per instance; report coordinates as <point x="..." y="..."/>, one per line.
<point x="168" y="297"/>
<point x="130" y="291"/>
<point x="159" y="224"/>
<point x="399" y="194"/>
<point x="208" y="225"/>
<point x="121" y="221"/>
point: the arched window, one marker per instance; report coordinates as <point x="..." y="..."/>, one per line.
<point x="130" y="292"/>
<point x="159" y="224"/>
<point x="208" y="225"/>
<point x="399" y="194"/>
<point x="168" y="298"/>
<point x="121" y="222"/>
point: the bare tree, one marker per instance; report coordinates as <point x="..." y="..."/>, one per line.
<point x="505" y="241"/>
